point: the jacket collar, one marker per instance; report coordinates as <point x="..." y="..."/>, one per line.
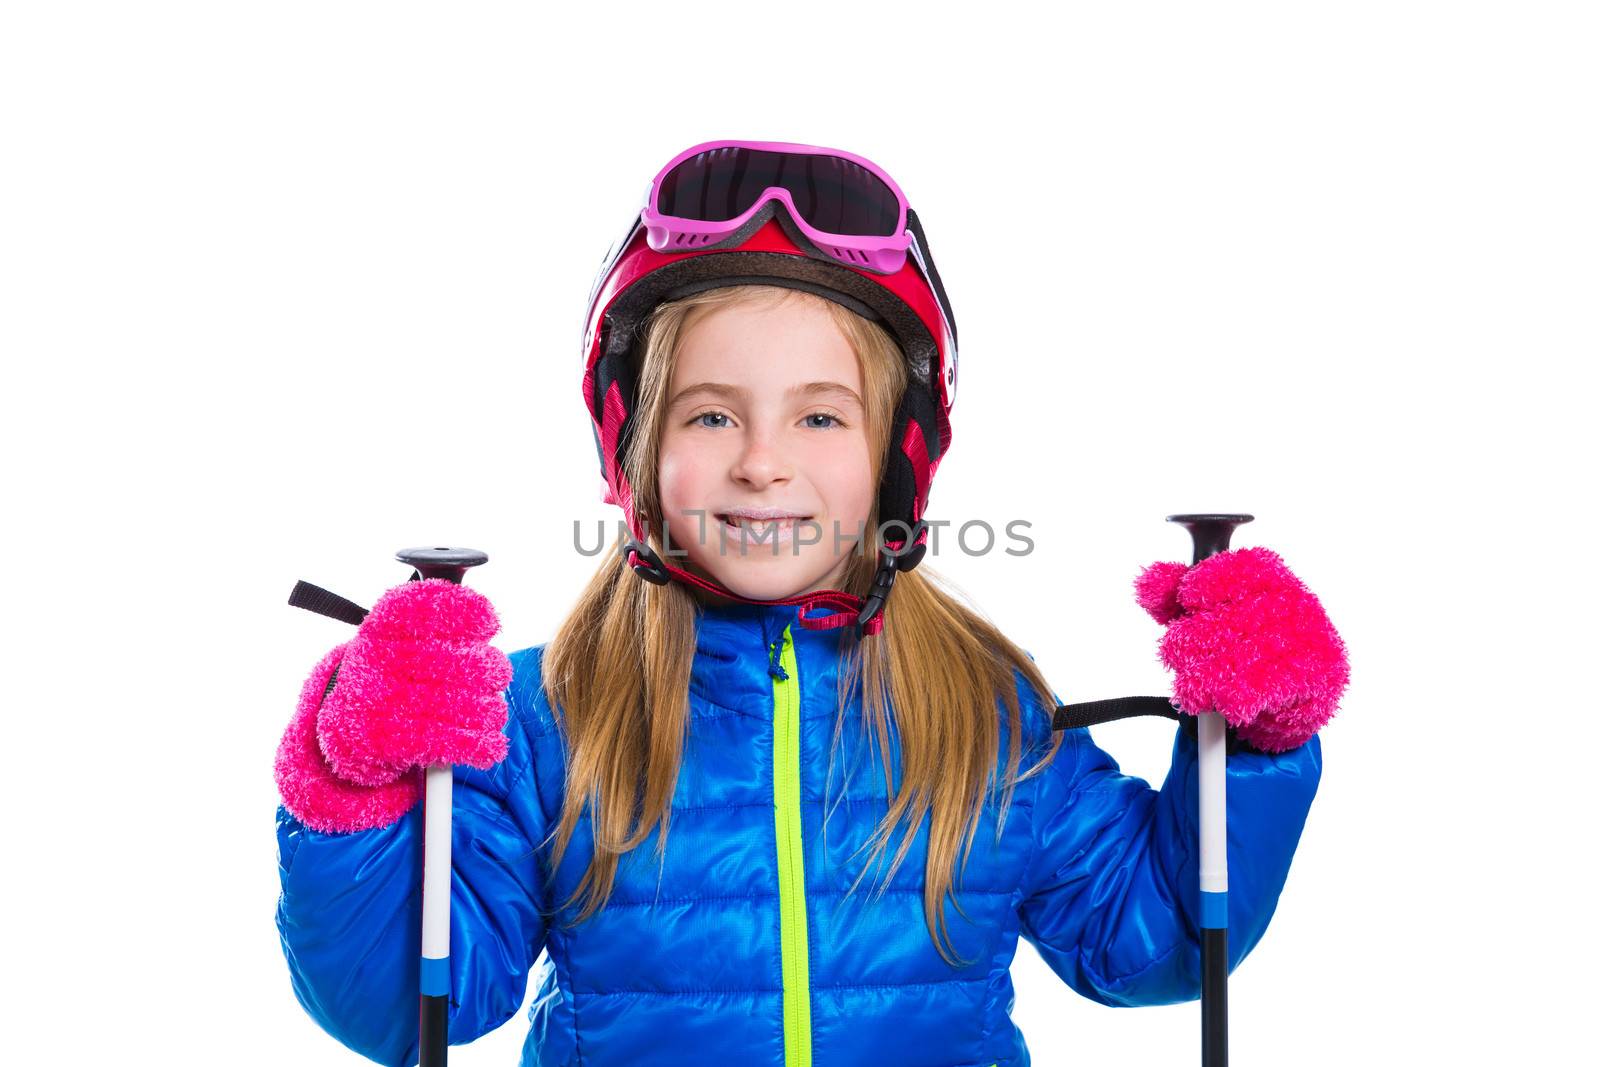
<point x="734" y="670"/>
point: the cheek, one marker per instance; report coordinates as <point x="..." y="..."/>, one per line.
<point x="684" y="476"/>
<point x="846" y="479"/>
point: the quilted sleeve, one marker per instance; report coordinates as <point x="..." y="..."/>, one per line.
<point x="350" y="913"/>
<point x="1111" y="896"/>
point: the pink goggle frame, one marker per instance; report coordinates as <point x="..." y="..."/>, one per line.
<point x="843" y="174"/>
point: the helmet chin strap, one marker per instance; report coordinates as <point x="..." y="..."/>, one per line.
<point x="865" y="616"/>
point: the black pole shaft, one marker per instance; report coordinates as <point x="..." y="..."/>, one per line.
<point x="433" y="1012"/>
<point x="433" y="1031"/>
<point x="1214" y="997"/>
<point x="1211" y="534"/>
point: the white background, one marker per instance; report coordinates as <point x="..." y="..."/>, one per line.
<point x="290" y="286"/>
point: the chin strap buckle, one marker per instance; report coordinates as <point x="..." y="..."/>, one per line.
<point x="645" y="563"/>
<point x="895" y="561"/>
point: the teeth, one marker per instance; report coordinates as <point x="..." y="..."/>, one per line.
<point x="760" y="526"/>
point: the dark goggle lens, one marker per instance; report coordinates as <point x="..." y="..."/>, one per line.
<point x="833" y="195"/>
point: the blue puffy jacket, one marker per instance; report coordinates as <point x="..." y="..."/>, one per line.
<point x="744" y="948"/>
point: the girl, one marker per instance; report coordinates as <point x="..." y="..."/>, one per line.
<point x="758" y="809"/>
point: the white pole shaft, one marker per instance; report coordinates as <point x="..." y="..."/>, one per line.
<point x="436" y="862"/>
<point x="1213" y="738"/>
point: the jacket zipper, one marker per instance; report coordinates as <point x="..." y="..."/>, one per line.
<point x="785" y="671"/>
<point x="791" y="856"/>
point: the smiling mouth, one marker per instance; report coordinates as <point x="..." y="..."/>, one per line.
<point x="762" y="527"/>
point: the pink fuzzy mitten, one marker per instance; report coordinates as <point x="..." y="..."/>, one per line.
<point x="309" y="788"/>
<point x="1247" y="639"/>
<point x="419" y="684"/>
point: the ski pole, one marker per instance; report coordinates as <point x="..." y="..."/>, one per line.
<point x="1211" y="534"/>
<point x="433" y="1013"/>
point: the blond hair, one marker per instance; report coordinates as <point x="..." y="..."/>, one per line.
<point x="937" y="663"/>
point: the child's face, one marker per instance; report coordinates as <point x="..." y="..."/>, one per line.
<point x="764" y="413"/>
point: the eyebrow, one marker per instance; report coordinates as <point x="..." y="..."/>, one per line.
<point x="735" y="392"/>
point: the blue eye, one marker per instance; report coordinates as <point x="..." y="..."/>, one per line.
<point x="708" y="415"/>
<point x="833" y="420"/>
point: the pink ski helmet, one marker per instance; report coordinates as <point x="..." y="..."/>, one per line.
<point x="823" y="221"/>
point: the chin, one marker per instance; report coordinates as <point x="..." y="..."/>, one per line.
<point x="759" y="582"/>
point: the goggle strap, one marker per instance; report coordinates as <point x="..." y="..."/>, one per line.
<point x="924" y="259"/>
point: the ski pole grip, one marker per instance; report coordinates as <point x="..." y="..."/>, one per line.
<point x="442" y="562"/>
<point x="1210" y="533"/>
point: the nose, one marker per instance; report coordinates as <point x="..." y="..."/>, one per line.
<point x="761" y="462"/>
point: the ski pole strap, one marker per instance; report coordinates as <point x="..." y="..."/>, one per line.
<point x="315" y="598"/>
<point x="1095" y="712"/>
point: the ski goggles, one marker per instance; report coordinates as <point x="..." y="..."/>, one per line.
<point x="717" y="192"/>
